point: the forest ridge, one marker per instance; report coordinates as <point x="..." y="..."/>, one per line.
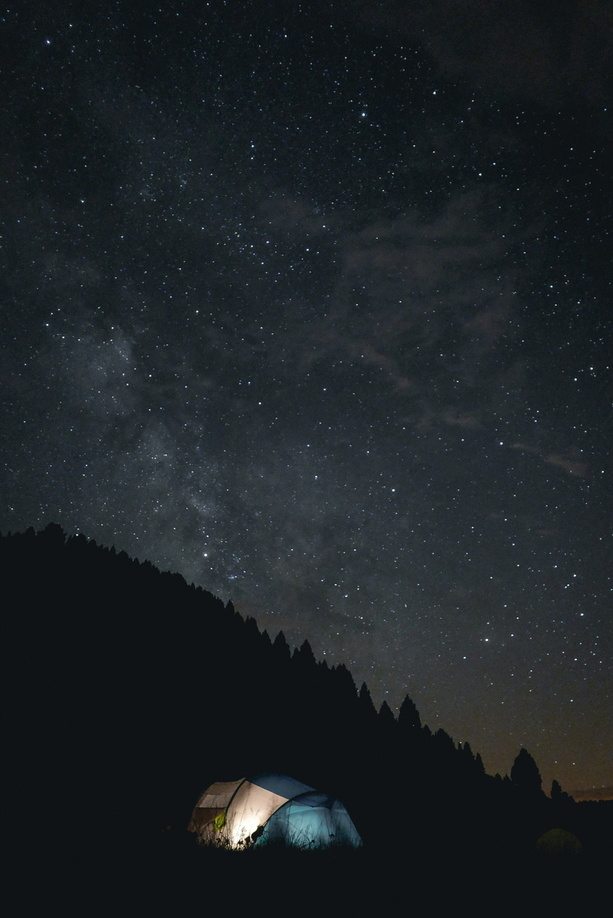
<point x="132" y="682"/>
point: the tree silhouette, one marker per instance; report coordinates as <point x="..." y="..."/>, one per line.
<point x="408" y="715"/>
<point x="558" y="796"/>
<point x="525" y="775"/>
<point x="151" y="689"/>
<point x="386" y="716"/>
<point x="281" y="647"/>
<point x="366" y="702"/>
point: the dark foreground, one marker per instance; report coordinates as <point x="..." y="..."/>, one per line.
<point x="127" y="692"/>
<point x="181" y="878"/>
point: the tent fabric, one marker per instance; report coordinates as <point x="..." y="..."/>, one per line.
<point x="315" y="798"/>
<point x="559" y="843"/>
<point x="281" y="784"/>
<point x="219" y="794"/>
<point x="269" y="809"/>
<point x="211" y="805"/>
<point x="251" y="808"/>
<point x="308" y="825"/>
<point x="204" y="819"/>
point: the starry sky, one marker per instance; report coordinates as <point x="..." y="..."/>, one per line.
<point x="311" y="302"/>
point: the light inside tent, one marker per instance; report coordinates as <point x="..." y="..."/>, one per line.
<point x="251" y="808"/>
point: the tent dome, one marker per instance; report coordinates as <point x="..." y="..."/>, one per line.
<point x="271" y="808"/>
<point x="558" y="843"/>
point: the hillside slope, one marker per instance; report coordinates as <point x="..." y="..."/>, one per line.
<point x="129" y="691"/>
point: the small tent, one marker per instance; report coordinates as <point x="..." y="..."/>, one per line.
<point x="269" y="809"/>
<point x="559" y="843"/>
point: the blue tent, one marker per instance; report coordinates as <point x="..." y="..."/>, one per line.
<point x="271" y="809"/>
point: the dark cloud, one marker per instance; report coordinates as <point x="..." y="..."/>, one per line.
<point x="551" y="53"/>
<point x="569" y="461"/>
<point x="417" y="291"/>
<point x="458" y="419"/>
<point x="297" y="217"/>
<point x="569" y="464"/>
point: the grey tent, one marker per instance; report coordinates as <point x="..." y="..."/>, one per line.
<point x="268" y="809"/>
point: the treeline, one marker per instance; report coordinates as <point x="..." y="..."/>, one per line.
<point x="129" y="691"/>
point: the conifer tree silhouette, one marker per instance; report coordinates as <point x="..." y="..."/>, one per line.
<point x="408" y="715"/>
<point x="525" y="775"/>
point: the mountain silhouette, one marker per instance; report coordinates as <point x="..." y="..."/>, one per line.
<point x="130" y="691"/>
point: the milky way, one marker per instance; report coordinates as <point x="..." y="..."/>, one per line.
<point x="312" y="304"/>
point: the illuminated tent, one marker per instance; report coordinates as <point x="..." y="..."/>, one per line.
<point x="271" y="809"/>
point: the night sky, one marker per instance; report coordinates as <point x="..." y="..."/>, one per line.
<point x="311" y="302"/>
